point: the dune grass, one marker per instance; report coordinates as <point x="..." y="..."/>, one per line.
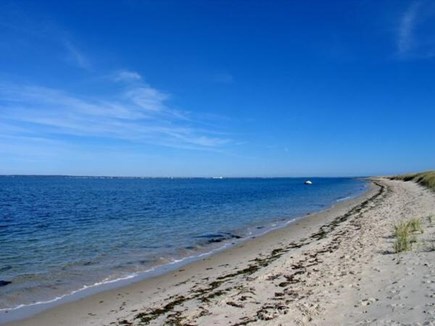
<point x="401" y="233"/>
<point x="426" y="179"/>
<point x="415" y="225"/>
<point x="404" y="232"/>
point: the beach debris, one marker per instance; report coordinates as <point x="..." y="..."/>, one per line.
<point x="368" y="301"/>
<point x="237" y="305"/>
<point x="271" y="311"/>
<point x="4" y="283"/>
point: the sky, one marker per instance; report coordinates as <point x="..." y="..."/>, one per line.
<point x="165" y="88"/>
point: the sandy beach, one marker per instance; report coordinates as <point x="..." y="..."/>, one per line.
<point x="337" y="267"/>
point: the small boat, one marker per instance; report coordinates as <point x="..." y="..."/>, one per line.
<point x="308" y="182"/>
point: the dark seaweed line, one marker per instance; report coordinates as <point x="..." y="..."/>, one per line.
<point x="204" y="294"/>
<point x="302" y="265"/>
<point x="328" y="228"/>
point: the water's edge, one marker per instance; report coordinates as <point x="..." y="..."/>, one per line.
<point x="26" y="311"/>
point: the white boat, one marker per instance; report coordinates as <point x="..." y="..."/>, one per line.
<point x="308" y="182"/>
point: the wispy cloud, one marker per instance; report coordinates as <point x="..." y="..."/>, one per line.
<point x="415" y="33"/>
<point x="147" y="98"/>
<point x="75" y="56"/>
<point x="41" y="32"/>
<point x="136" y="113"/>
<point x="406" y="28"/>
<point x="125" y="76"/>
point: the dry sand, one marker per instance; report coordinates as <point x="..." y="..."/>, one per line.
<point x="332" y="268"/>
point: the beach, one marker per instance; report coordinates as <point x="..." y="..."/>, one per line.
<point x="337" y="267"/>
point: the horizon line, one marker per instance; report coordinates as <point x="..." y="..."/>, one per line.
<point x="178" y="177"/>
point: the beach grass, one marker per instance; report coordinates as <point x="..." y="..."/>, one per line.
<point x="415" y="225"/>
<point x="426" y="179"/>
<point x="404" y="233"/>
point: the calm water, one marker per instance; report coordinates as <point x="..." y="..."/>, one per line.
<point x="59" y="234"/>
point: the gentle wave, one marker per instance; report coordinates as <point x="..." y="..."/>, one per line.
<point x="121" y="280"/>
<point x="344" y="198"/>
<point x="160" y="269"/>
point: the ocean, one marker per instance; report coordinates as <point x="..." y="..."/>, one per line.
<point x="62" y="237"/>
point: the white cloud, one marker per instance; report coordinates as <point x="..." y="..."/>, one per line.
<point x="137" y="114"/>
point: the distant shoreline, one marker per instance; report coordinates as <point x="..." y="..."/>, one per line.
<point x="176" y="177"/>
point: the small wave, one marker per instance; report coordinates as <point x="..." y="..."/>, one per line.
<point x="343" y="198"/>
<point x="86" y="287"/>
<point x="82" y="292"/>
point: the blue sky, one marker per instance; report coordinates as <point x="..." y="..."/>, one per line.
<point x="217" y="88"/>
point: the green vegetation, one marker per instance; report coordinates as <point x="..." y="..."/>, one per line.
<point x="404" y="234"/>
<point x="415" y="225"/>
<point x="401" y="233"/>
<point x="426" y="179"/>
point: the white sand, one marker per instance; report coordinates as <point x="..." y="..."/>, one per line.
<point x="333" y="268"/>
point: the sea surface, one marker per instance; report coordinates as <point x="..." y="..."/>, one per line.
<point x="64" y="235"/>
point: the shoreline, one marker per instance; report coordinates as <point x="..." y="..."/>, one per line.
<point x="32" y="311"/>
<point x="302" y="273"/>
<point x="26" y="311"/>
<point x="125" y="253"/>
